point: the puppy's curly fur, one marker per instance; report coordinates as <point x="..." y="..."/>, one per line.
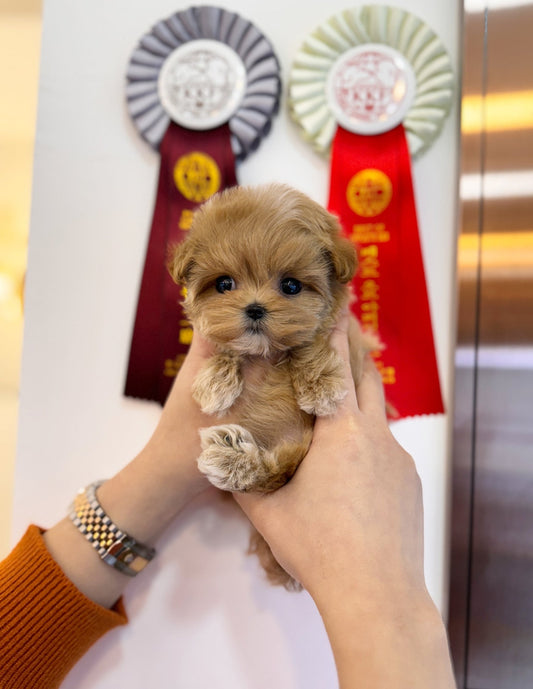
<point x="266" y="272"/>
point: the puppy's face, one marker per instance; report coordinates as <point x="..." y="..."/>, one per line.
<point x="264" y="269"/>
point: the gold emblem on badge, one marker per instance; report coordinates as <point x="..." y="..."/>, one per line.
<point x="197" y="176"/>
<point x="369" y="192"/>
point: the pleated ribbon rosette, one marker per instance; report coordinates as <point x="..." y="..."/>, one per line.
<point x="202" y="88"/>
<point x="372" y="86"/>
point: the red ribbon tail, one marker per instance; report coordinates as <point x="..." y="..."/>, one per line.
<point x="371" y="192"/>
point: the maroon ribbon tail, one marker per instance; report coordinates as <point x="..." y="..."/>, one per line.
<point x="200" y="163"/>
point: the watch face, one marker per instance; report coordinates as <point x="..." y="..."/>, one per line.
<point x="370" y="88"/>
<point x="201" y="84"/>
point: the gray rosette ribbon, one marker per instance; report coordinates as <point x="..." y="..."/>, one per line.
<point x="251" y="120"/>
<point x="202" y="88"/>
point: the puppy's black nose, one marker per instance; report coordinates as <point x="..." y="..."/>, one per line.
<point x="255" y="311"/>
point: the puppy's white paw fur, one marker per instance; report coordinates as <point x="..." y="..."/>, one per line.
<point x="320" y="391"/>
<point x="231" y="460"/>
<point x="322" y="402"/>
<point x="218" y="385"/>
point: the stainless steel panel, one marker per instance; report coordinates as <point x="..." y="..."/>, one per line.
<point x="491" y="594"/>
<point x="500" y="647"/>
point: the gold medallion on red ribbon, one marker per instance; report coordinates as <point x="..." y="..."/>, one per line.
<point x="204" y="106"/>
<point x="368" y="101"/>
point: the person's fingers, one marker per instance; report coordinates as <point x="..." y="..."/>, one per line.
<point x="246" y="501"/>
<point x="339" y="334"/>
<point x="199" y="352"/>
<point x="340" y="343"/>
<point x="200" y="347"/>
<point x="370" y="394"/>
<point x="255" y="506"/>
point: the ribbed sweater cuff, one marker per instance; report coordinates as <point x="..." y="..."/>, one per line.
<point x="46" y="623"/>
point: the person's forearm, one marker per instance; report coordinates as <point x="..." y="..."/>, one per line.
<point x="398" y="645"/>
<point x="142" y="500"/>
<point x="147" y="494"/>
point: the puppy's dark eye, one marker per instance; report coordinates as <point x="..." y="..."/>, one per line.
<point x="290" y="286"/>
<point x="224" y="283"/>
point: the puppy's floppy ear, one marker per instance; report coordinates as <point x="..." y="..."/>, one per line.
<point x="344" y="258"/>
<point x="341" y="251"/>
<point x="180" y="261"/>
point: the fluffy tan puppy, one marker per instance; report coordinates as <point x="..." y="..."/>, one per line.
<point x="266" y="272"/>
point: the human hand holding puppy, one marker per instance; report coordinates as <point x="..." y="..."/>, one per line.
<point x="349" y="527"/>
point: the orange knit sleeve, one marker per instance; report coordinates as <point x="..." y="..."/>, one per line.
<point x="46" y="623"/>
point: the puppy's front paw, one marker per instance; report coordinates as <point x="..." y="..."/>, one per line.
<point x="230" y="457"/>
<point x="320" y="391"/>
<point x="218" y="385"/>
<point x="323" y="399"/>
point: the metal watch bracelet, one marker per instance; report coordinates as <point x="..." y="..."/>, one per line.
<point x="115" y="548"/>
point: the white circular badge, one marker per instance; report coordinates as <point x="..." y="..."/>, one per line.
<point x="370" y="88"/>
<point x="201" y="84"/>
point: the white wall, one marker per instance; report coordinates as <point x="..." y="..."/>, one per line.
<point x="201" y="616"/>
